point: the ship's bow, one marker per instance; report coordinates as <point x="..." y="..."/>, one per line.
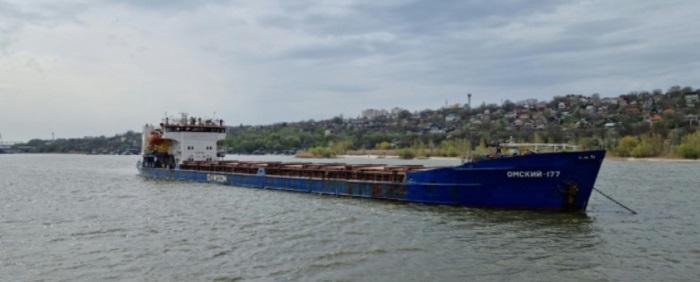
<point x="549" y="181"/>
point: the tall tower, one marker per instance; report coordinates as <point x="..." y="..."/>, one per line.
<point x="469" y="100"/>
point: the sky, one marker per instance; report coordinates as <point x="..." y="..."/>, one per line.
<point x="101" y="67"/>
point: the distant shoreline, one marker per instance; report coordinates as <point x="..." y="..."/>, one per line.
<point x="379" y="157"/>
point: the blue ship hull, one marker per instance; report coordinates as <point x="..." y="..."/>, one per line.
<point x="547" y="181"/>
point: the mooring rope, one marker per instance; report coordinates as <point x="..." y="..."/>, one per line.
<point x="614" y="201"/>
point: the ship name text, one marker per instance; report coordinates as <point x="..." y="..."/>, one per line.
<point x="533" y="174"/>
<point x="216" y="178"/>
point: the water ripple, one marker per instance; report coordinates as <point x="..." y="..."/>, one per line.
<point x="66" y="218"/>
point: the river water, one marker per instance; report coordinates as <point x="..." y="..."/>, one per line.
<point x="92" y="218"/>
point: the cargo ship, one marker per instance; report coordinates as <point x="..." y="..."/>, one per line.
<point x="547" y="177"/>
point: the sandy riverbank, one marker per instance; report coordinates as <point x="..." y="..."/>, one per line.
<point x="654" y="159"/>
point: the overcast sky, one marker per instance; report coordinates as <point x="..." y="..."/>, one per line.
<point x="93" y="67"/>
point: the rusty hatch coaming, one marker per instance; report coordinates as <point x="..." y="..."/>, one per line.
<point x="370" y="172"/>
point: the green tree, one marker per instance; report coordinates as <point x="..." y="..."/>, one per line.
<point x="322" y="152"/>
<point x="383" y="146"/>
<point x="482" y="149"/>
<point x="648" y="146"/>
<point x="406" y="153"/>
<point x="690" y="146"/>
<point x="626" y="145"/>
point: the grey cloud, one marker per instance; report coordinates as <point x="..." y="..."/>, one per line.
<point x="345" y="88"/>
<point x="167" y="6"/>
<point x="13" y="17"/>
<point x="308" y="55"/>
<point x="577" y="53"/>
<point x="415" y="17"/>
<point x="342" y="51"/>
<point x="428" y="45"/>
<point x="420" y="27"/>
<point x="426" y="16"/>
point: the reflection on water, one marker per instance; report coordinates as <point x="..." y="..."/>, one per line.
<point x="67" y="217"/>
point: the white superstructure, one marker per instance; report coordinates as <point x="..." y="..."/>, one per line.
<point x="184" y="139"/>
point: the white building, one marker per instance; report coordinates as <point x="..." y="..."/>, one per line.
<point x="692" y="99"/>
<point x="373" y="113"/>
<point x="451" y="117"/>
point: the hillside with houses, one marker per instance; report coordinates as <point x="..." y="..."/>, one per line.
<point x="588" y="120"/>
<point x="637" y="124"/>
